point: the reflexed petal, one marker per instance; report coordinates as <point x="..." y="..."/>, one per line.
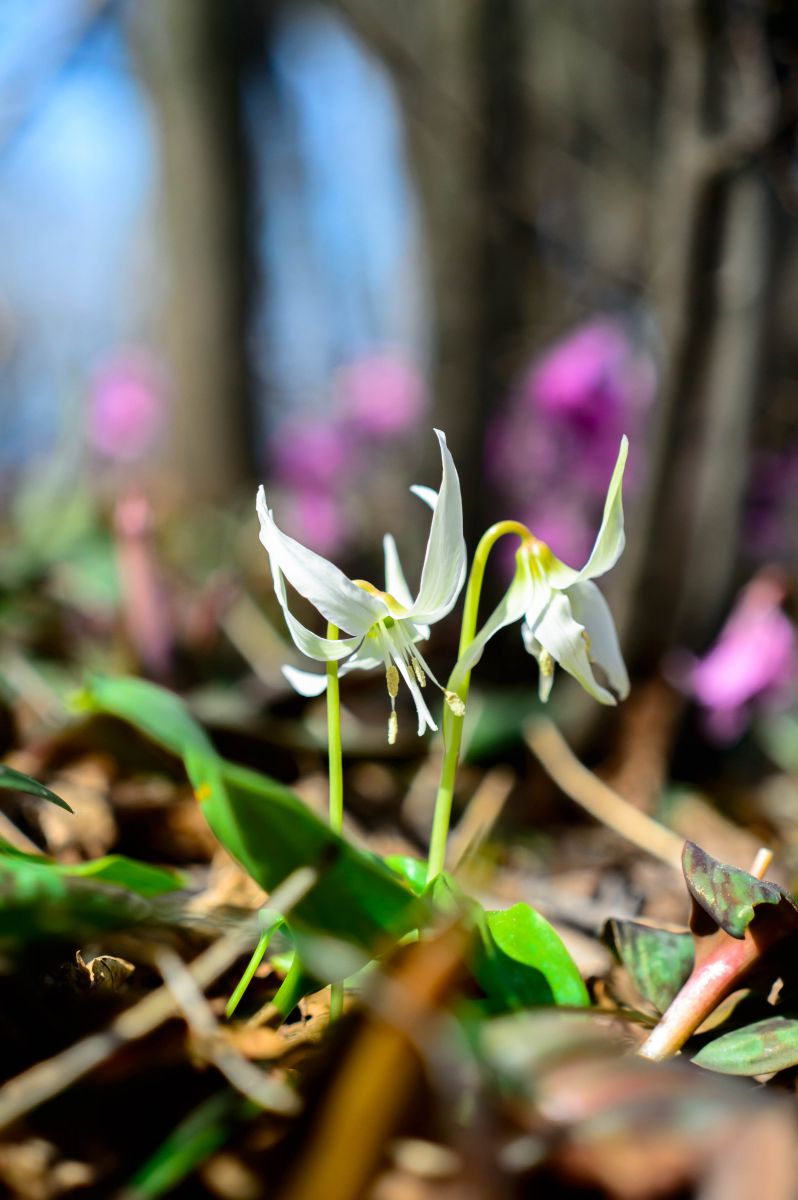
<point x="510" y="609"/>
<point x="336" y="597"/>
<point x="321" y="648"/>
<point x="561" y="635"/>
<point x="307" y="683"/>
<point x="610" y="540"/>
<point x="591" y="610"/>
<point x="395" y="582"/>
<point x="444" y="567"/>
<point x="427" y="494"/>
<point x="533" y="647"/>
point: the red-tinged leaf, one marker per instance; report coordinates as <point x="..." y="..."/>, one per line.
<point x="730" y="896"/>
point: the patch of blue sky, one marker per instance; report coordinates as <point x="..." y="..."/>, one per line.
<point x="341" y="234"/>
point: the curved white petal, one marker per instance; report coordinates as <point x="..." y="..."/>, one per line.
<point x="510" y="609"/>
<point x="427" y="494"/>
<point x="307" y="683"/>
<point x="336" y="597"/>
<point x="443" y="573"/>
<point x="561" y="635"/>
<point x="364" y="659"/>
<point x="321" y="648"/>
<point x="545" y="678"/>
<point x="591" y="610"/>
<point x="611" y="538"/>
<point x="395" y="582"/>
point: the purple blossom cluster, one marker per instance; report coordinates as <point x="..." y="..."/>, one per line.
<point x="319" y="460"/>
<point x="550" y="453"/>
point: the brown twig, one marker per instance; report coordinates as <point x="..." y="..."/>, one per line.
<point x="596" y="797"/>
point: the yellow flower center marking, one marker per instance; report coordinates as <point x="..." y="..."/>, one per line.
<point x="203" y="792"/>
<point x="390" y="602"/>
<point x="538" y="551"/>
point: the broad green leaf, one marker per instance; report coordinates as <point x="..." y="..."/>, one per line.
<point x="729" y="895"/>
<point x="118" y="871"/>
<point x="758" y="1049"/>
<point x="15" y="781"/>
<point x="521" y="962"/>
<point x="38" y="901"/>
<point x="158" y="713"/>
<point x="658" y="960"/>
<point x="267" y="828"/>
<point x="272" y="833"/>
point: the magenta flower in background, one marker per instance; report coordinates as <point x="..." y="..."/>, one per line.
<point x="380" y="395"/>
<point x="310" y="453"/>
<point x="553" y="449"/>
<point x="752" y="662"/>
<point x="126" y="406"/>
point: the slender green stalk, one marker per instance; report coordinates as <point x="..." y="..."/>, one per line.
<point x="453" y="725"/>
<point x="336" y="773"/>
<point x="246" y="978"/>
<point x="334" y="742"/>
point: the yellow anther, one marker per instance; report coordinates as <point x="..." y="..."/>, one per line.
<point x="393" y="728"/>
<point x="546" y="663"/>
<point x="392" y="679"/>
<point x="455" y="703"/>
<point x="419" y="673"/>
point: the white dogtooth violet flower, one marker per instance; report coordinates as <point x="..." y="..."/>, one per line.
<point x="566" y="620"/>
<point x="384" y="627"/>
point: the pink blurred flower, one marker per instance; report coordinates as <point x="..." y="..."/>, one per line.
<point x="310" y="453"/>
<point x="552" y="451"/>
<point x="753" y="660"/>
<point x="380" y="395"/>
<point x="126" y="406"/>
<point x="315" y="518"/>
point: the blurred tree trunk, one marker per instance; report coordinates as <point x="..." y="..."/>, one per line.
<point x="711" y="289"/>
<point x="458" y="69"/>
<point x="191" y="53"/>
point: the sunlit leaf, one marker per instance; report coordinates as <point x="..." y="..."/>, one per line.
<point x="658" y="960"/>
<point x="758" y="1049"/>
<point x="521" y="962"/>
<point x="15" y="781"/>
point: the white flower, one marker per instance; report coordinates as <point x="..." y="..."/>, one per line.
<point x="384" y="626"/>
<point x="566" y="620"/>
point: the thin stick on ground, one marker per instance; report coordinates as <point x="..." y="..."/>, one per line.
<point x="598" y="798"/>
<point x="47" y="1079"/>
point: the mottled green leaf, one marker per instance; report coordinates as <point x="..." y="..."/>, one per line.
<point x="729" y="895"/>
<point x="521" y="962"/>
<point x="15" y="781"/>
<point x="658" y="960"/>
<point x="758" y="1049"/>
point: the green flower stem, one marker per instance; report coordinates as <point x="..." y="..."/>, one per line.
<point x="453" y="725"/>
<point x="336" y="773"/>
<point x="334" y="741"/>
<point x="246" y="978"/>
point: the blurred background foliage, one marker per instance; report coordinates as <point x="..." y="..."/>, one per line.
<point x="280" y="241"/>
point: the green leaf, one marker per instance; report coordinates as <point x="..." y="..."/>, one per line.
<point x="658" y="960"/>
<point x="205" y="1130"/>
<point x="39" y="902"/>
<point x="267" y="828"/>
<point x="158" y="713"/>
<point x="412" y="870"/>
<point x="758" y="1049"/>
<point x="118" y="871"/>
<point x="272" y="833"/>
<point x="729" y="895"/>
<point x="15" y="781"/>
<point x="521" y="962"/>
